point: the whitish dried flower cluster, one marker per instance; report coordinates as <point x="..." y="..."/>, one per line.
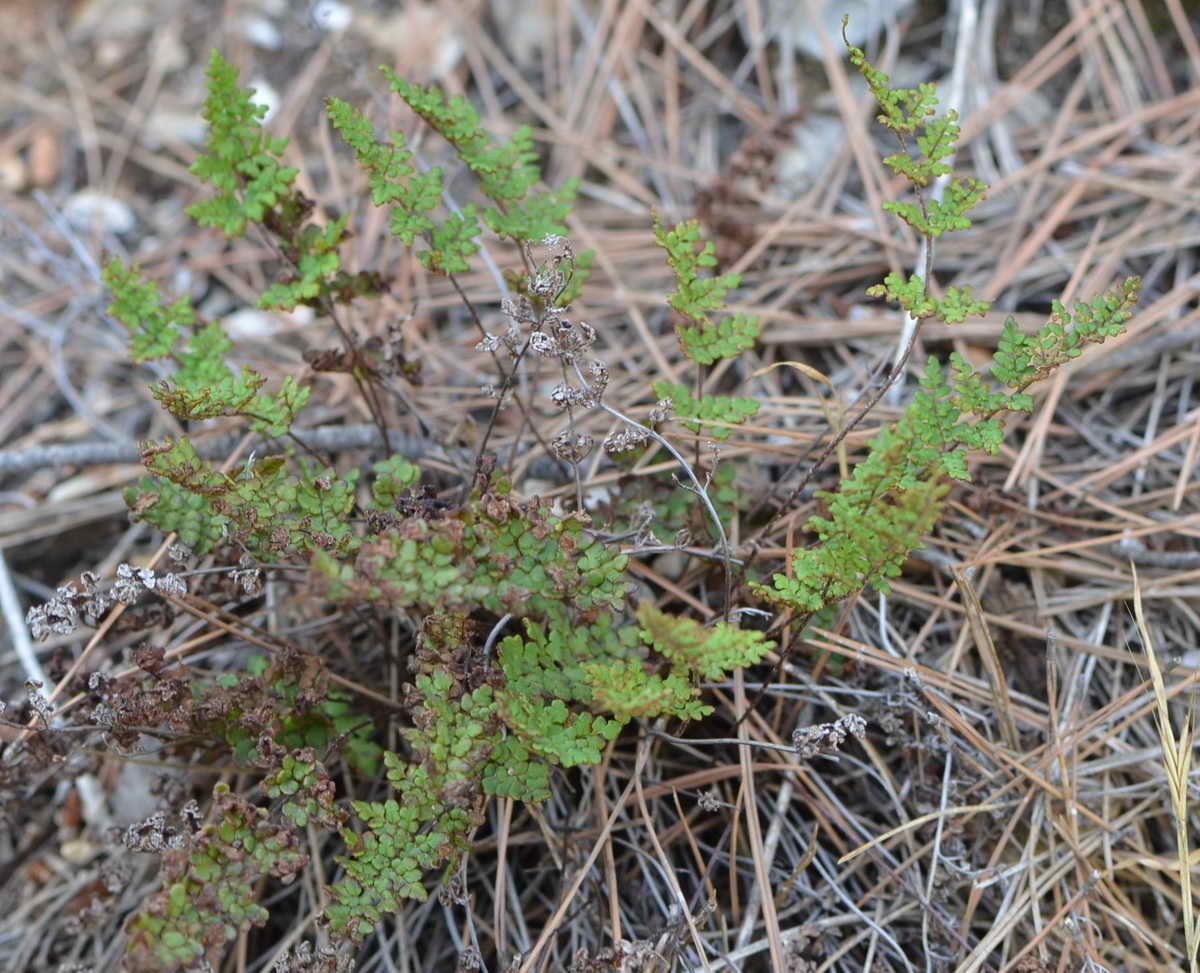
<point x="588" y="394"/>
<point x="85" y="601"/>
<point x="537" y="326"/>
<point x="327" y="958"/>
<point x="157" y="833"/>
<point x="248" y="576"/>
<point x="37" y="702"/>
<point x="811" y="741"/>
<point x="631" y="437"/>
<point x="571" y="449"/>
<point x="132" y="582"/>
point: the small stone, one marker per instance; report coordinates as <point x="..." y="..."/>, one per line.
<point x="260" y="32"/>
<point x="264" y="94"/>
<point x="332" y="16"/>
<point x="78" y="851"/>
<point x="671" y="564"/>
<point x="88" y="207"/>
<point x="14" y="175"/>
<point x="251" y="323"/>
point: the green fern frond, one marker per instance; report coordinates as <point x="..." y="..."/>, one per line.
<point x="269" y="510"/>
<point x="153" y="329"/>
<point x="314" y="251"/>
<point x="438" y="801"/>
<point x="1022" y="359"/>
<point x="710" y="653"/>
<point x="210" y="891"/>
<point x="694" y="296"/>
<point x="719" y="408"/>
<point x="241" y="162"/>
<point x="625" y="689"/>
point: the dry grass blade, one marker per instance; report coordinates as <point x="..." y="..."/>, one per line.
<point x="1177" y="762"/>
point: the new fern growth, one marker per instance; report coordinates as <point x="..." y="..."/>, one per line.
<point x="893" y="498"/>
<point x="703" y="340"/>
<point x="242" y="163"/>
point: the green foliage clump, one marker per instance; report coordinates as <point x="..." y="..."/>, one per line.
<point x="708" y="652"/>
<point x="314" y="252"/>
<point x="703" y="341"/>
<point x="209" y="888"/>
<point x="305" y="791"/>
<point x="175" y="508"/>
<point x="911" y="295"/>
<point x="1024" y="359"/>
<point x="545" y="670"/>
<point x="203" y="385"/>
<point x="525" y="660"/>
<point x="153" y="329"/>
<point x="549" y="659"/>
<point x="243" y="165"/>
<point x="507" y="172"/>
<point x="553" y="696"/>
<point x="551" y="730"/>
<point x="880" y="513"/>
<point x="437" y="802"/>
<point x="718" y="408"/>
<point x="557" y="695"/>
<point x="628" y="691"/>
<point x="393" y="478"/>
<point x="263" y="506"/>
<point x="267" y="509"/>
<point x="626" y="687"/>
<point x="392" y="174"/>
<point x="874" y="522"/>
<point x="494" y="552"/>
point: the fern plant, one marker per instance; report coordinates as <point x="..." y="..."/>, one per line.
<point x="559" y="687"/>
<point x="527" y="659"/>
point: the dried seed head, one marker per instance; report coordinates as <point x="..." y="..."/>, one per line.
<point x="172" y="584"/>
<point x="624" y="440"/>
<point x="547" y="282"/>
<point x="563" y="395"/>
<point x="248" y="577"/>
<point x="521" y="311"/>
<point x="810" y="741"/>
<point x="559" y="247"/>
<point x="127" y="588"/>
<point x="662" y="411"/>
<point x="571" y="449"/>
<point x="542" y="344"/>
<point x="37" y="702"/>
